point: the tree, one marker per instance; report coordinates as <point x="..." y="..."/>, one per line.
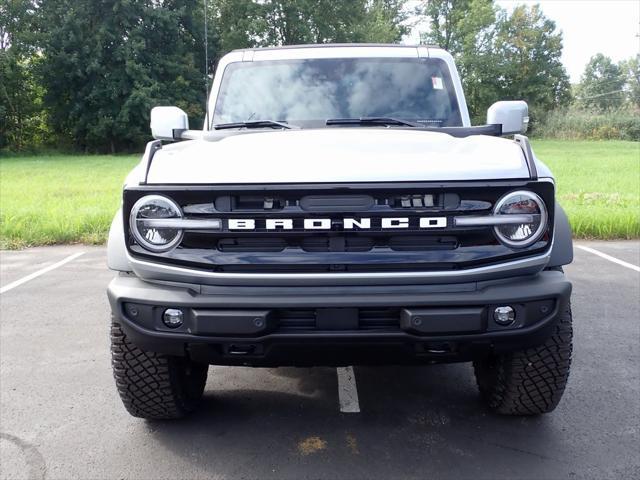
<point x="251" y="23"/>
<point x="602" y="84"/>
<point x="466" y="29"/>
<point x="292" y="22"/>
<point x="384" y="22"/>
<point x="528" y="50"/>
<point x="500" y="56"/>
<point x="631" y="69"/>
<point x="22" y="122"/>
<point x="238" y="23"/>
<point x="107" y="63"/>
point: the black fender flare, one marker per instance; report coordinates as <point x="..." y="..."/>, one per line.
<point x="562" y="251"/>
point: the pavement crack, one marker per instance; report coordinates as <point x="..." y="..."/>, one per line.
<point x="520" y="450"/>
<point x="37" y="468"/>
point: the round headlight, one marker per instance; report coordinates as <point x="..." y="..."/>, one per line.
<point x="522" y="202"/>
<point x="152" y="235"/>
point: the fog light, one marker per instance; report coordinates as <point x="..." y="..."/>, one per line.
<point x="172" y="317"/>
<point x="131" y="309"/>
<point x="504" y="315"/>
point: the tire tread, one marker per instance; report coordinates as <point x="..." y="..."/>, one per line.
<point x="530" y="381"/>
<point x="150" y="383"/>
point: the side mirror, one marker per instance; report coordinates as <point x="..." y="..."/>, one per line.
<point x="166" y="120"/>
<point x="513" y="116"/>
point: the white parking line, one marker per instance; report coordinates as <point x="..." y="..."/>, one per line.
<point x="42" y="271"/>
<point x="609" y="257"/>
<point x="347" y="390"/>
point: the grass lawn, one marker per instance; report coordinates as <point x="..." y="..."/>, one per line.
<point x="65" y="199"/>
<point x="598" y="184"/>
<point x="60" y="198"/>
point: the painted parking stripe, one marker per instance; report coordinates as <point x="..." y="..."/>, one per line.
<point x="33" y="275"/>
<point x="347" y="390"/>
<point x="609" y="257"/>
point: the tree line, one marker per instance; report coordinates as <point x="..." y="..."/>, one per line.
<point x="83" y="74"/>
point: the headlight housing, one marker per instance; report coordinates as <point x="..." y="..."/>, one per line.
<point x="148" y="223"/>
<point x="521" y="202"/>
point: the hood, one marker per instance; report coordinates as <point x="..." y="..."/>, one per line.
<point x="337" y="155"/>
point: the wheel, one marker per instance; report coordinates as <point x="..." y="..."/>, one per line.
<point x="530" y="381"/>
<point x="152" y="385"/>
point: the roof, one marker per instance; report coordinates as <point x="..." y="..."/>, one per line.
<point x="332" y="45"/>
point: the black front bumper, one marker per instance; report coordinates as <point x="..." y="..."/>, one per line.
<point x="273" y="326"/>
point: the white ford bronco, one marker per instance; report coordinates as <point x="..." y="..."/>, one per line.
<point x="338" y="208"/>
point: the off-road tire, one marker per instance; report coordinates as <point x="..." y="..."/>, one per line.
<point x="530" y="381"/>
<point x="152" y="385"/>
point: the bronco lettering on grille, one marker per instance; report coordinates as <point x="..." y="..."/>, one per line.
<point x="385" y="223"/>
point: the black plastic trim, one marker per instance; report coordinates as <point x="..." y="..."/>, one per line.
<point x="523" y="141"/>
<point x="151" y="149"/>
<point x="562" y="250"/>
<point x="494" y="130"/>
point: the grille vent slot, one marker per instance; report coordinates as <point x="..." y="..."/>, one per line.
<point x="249" y="203"/>
<point x="368" y="319"/>
<point x="337" y="203"/>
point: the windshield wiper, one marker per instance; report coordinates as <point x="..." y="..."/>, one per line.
<point x="254" y="124"/>
<point x="372" y="121"/>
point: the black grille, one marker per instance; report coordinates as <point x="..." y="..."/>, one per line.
<point x="339" y="249"/>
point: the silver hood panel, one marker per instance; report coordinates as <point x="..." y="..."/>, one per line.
<point x="337" y="155"/>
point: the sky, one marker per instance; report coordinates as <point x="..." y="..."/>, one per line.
<point x="611" y="27"/>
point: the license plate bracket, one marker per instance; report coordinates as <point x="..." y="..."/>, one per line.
<point x="337" y="318"/>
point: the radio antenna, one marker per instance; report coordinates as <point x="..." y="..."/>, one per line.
<point x="206" y="65"/>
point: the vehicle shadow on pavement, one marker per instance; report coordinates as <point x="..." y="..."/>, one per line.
<point x="412" y="418"/>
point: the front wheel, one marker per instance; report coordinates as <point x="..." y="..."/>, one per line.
<point x="530" y="381"/>
<point x="152" y="385"/>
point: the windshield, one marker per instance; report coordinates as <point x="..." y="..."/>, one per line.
<point x="309" y="92"/>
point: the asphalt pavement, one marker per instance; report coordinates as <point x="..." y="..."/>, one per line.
<point x="61" y="418"/>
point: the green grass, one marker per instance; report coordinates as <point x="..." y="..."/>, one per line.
<point x="67" y="199"/>
<point x="598" y="184"/>
<point x="59" y="199"/>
